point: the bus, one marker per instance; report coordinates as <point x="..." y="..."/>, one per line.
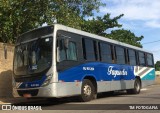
<point x="58" y="61"/>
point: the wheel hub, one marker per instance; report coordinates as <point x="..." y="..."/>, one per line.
<point x="87" y="90"/>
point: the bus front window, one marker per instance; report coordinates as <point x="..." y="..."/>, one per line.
<point x="33" y="57"/>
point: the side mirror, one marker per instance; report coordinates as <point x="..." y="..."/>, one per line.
<point x="63" y="41"/>
<point x="66" y="43"/>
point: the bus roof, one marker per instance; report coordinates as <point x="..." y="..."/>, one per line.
<point x="80" y="32"/>
<point x="94" y="36"/>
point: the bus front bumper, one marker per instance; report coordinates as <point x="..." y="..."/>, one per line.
<point x="47" y="91"/>
<point x="58" y="89"/>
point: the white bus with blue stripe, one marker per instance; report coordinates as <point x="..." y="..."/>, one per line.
<point x="59" y="61"/>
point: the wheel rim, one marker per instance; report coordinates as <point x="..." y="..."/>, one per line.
<point x="87" y="90"/>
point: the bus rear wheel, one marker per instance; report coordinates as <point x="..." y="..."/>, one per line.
<point x="136" y="89"/>
<point x="87" y="91"/>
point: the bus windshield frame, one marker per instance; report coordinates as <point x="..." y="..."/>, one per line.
<point x="33" y="57"/>
<point x="33" y="52"/>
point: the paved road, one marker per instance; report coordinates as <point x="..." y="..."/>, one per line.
<point x="149" y="95"/>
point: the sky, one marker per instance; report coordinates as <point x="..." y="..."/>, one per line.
<point x="142" y="17"/>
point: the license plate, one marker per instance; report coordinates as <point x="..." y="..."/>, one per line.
<point x="27" y="95"/>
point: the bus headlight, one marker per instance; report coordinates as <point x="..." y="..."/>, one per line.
<point x="48" y="79"/>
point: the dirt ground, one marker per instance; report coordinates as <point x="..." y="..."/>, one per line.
<point x="157" y="79"/>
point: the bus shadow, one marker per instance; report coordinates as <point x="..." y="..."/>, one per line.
<point x="48" y="101"/>
<point x="66" y="100"/>
<point x="111" y="94"/>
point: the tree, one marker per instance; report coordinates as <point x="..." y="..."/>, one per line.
<point x="157" y="66"/>
<point x="73" y="12"/>
<point x="126" y="36"/>
<point x="18" y="16"/>
<point x="99" y="25"/>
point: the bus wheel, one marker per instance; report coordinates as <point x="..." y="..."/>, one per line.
<point x="136" y="89"/>
<point x="87" y="91"/>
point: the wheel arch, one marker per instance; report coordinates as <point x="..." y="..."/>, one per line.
<point x="93" y="80"/>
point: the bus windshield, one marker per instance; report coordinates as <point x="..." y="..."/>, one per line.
<point x="33" y="57"/>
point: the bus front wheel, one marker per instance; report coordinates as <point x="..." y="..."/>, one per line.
<point x="136" y="89"/>
<point x="87" y="91"/>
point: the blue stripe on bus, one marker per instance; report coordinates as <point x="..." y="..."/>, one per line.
<point x="33" y="84"/>
<point x="100" y="71"/>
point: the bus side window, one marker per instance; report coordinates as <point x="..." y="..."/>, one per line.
<point x="62" y="52"/>
<point x="89" y="49"/>
<point x="120" y="55"/>
<point x="72" y="51"/>
<point x="141" y="59"/>
<point x="69" y="53"/>
<point x="150" y="60"/>
<point x="132" y="57"/>
<point x="105" y="52"/>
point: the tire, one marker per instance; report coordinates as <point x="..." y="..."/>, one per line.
<point x="136" y="89"/>
<point x="87" y="91"/>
